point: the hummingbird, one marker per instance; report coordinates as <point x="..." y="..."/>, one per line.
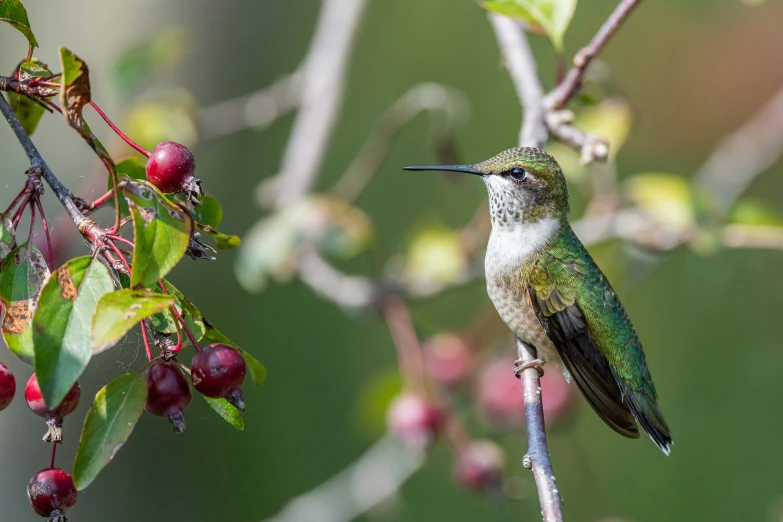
<point x="550" y="292"/>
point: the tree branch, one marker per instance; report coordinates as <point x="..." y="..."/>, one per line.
<point x="372" y="479"/>
<point x="573" y="79"/>
<point x="522" y="69"/>
<point x="37" y="162"/>
<point x="740" y="157"/>
<point x="256" y="110"/>
<point x="322" y="89"/>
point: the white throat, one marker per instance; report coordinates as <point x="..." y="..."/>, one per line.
<point x="512" y="245"/>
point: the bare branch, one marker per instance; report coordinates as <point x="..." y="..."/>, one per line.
<point x="37" y="162"/>
<point x="740" y="157"/>
<point x="537" y="457"/>
<point x="518" y="59"/>
<point x="256" y="110"/>
<point x="522" y="68"/>
<point x="322" y="89"/>
<point x="573" y="79"/>
<point x="330" y="283"/>
<point x="371" y="480"/>
<point x="418" y="99"/>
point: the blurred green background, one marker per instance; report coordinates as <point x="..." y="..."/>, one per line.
<point x="693" y="70"/>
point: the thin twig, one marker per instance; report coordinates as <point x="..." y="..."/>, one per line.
<point x="418" y="99"/>
<point x="522" y="68"/>
<point x="322" y="91"/>
<point x="573" y="79"/>
<point x="37" y="162"/>
<point x="257" y="110"/>
<point x="371" y="480"/>
<point x="740" y="157"/>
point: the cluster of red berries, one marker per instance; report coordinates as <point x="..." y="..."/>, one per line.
<point x="217" y="371"/>
<point x="51" y="491"/>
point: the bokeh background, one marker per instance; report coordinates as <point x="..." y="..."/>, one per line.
<point x="693" y="71"/>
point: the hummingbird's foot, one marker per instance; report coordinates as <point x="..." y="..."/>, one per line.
<point x="521" y="366"/>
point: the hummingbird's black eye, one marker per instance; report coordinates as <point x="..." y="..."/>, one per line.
<point x="517" y="174"/>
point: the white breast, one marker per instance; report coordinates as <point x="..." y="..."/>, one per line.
<point x="511" y="245"/>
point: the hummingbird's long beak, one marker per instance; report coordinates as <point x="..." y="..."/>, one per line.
<point x="470" y="169"/>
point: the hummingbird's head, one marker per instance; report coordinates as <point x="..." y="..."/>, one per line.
<point x="525" y="184"/>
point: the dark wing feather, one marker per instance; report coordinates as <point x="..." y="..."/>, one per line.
<point x="566" y="326"/>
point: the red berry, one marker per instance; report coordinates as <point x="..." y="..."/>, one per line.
<point x="218" y="371"/>
<point x="448" y="358"/>
<point x="479" y="467"/>
<point x="51" y="492"/>
<point x="7" y="386"/>
<point x="414" y="421"/>
<point x="171" y="168"/>
<point x="168" y="393"/>
<point x="54" y="417"/>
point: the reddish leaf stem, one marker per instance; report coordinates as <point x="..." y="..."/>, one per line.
<point x="143" y="326"/>
<point x="20" y="211"/>
<point x="32" y="222"/>
<point x="14" y="202"/>
<point x="54" y="453"/>
<point x="100" y="201"/>
<point x="119" y="132"/>
<point x="46" y="231"/>
<point x="181" y="320"/>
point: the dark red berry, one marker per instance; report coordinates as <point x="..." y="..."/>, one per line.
<point x="7" y="386"/>
<point x="414" y="421"/>
<point x="479" y="467"/>
<point x="54" y="417"/>
<point x="448" y="358"/>
<point x="51" y="492"/>
<point x="218" y="371"/>
<point x="168" y="393"/>
<point x="171" y="168"/>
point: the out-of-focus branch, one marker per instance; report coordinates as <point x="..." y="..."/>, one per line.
<point x="522" y="68"/>
<point x="518" y="60"/>
<point x="256" y="110"/>
<point x="323" y="78"/>
<point x="573" y="79"/>
<point x="374" y="478"/>
<point x="400" y="324"/>
<point x="740" y="157"/>
<point x="420" y="98"/>
<point x="328" y="282"/>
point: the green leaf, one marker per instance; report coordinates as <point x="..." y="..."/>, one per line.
<point x="162" y="233"/>
<point x="61" y="324"/>
<point x="254" y="366"/>
<point x="109" y="423"/>
<point x="119" y="311"/>
<point x="7" y="237"/>
<point x="755" y="213"/>
<point x="227" y="411"/>
<point x="140" y="63"/>
<point x="26" y="109"/>
<point x="550" y="16"/>
<point x="14" y="13"/>
<point x="22" y="274"/>
<point x="222" y="241"/>
<point x="209" y="212"/>
<point x="127" y="169"/>
<point x="668" y="198"/>
<point x="436" y="255"/>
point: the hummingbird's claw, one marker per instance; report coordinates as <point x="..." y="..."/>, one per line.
<point x="521" y="366"/>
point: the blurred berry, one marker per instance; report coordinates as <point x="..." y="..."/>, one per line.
<point x="448" y="358"/>
<point x="414" y="421"/>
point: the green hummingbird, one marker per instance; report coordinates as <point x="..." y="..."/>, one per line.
<point x="553" y="296"/>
